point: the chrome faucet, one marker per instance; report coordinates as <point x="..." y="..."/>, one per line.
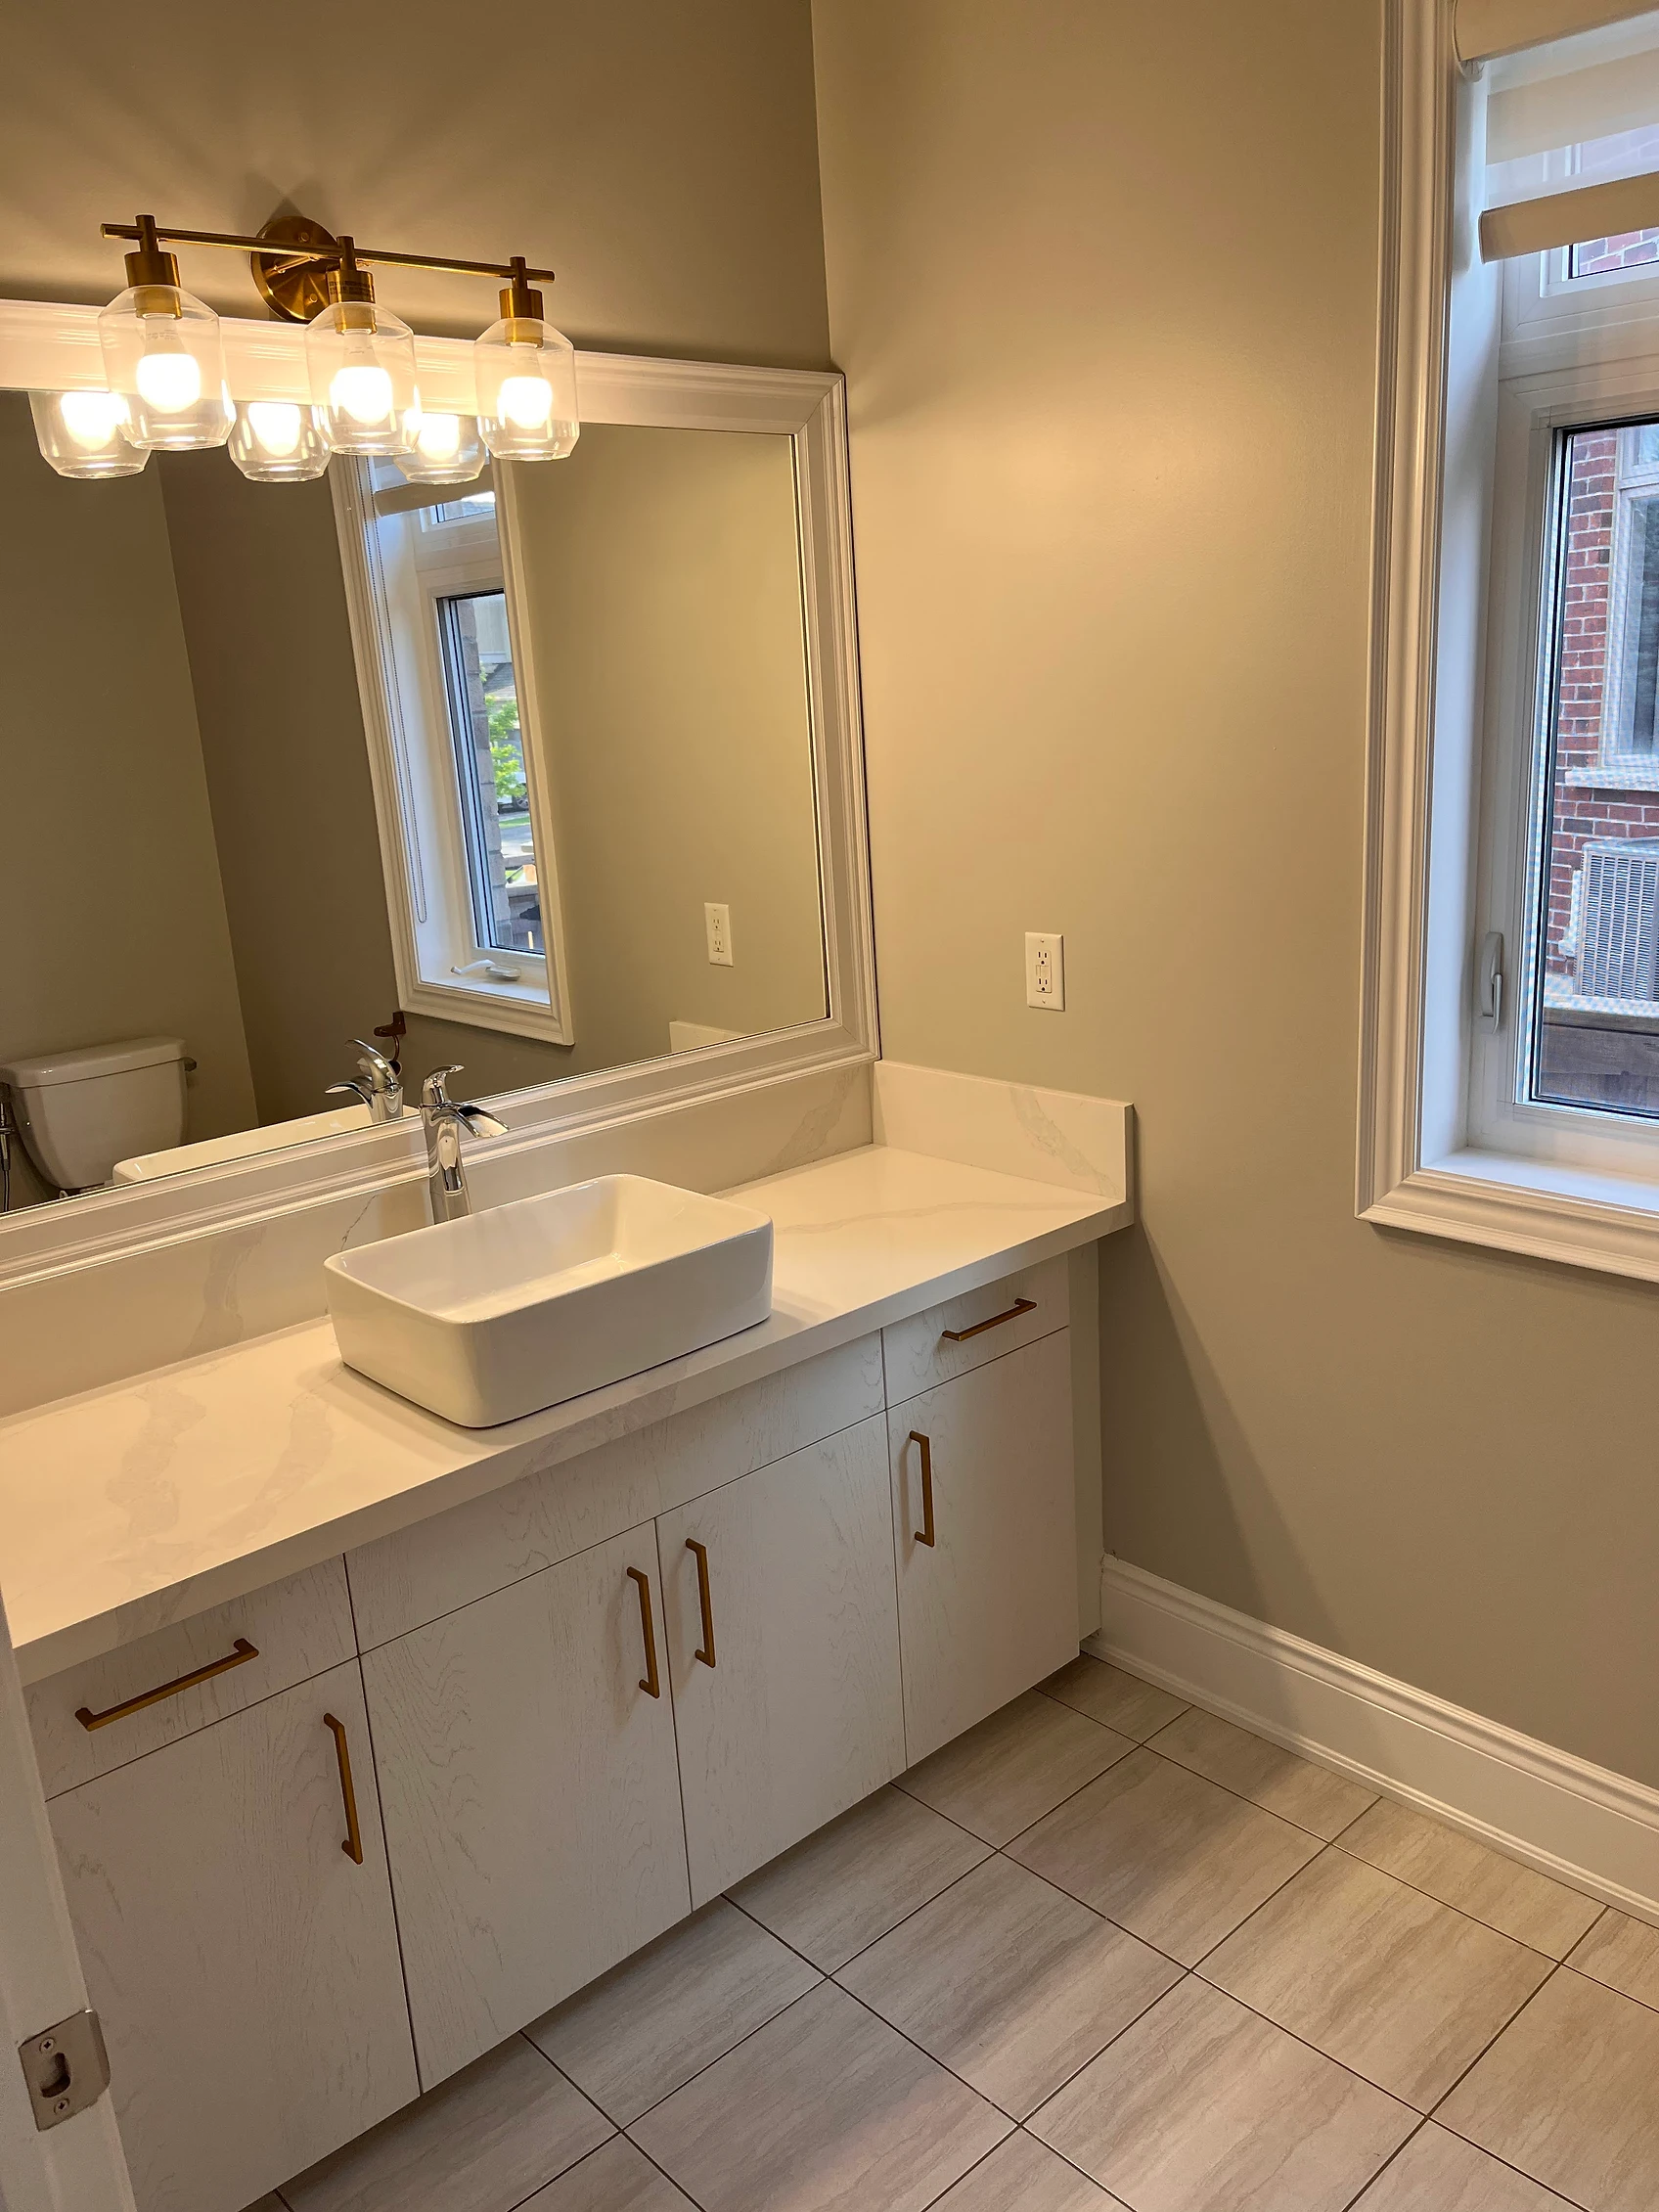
<point x="443" y="1118"/>
<point x="382" y="1085"/>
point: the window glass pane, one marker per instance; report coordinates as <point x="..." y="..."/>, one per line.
<point x="489" y="755"/>
<point x="1596" y="1037"/>
<point x="1628" y="152"/>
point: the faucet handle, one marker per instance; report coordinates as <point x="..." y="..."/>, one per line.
<point x="433" y="1092"/>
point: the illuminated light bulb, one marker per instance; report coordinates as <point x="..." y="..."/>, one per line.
<point x="276" y="426"/>
<point x="438" y="437"/>
<point x="526" y="401"/>
<point x="92" y="418"/>
<point x="168" y="381"/>
<point x="363" y="391"/>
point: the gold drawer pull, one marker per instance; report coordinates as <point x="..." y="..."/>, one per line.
<point x="239" y="1655"/>
<point x="925" y="1534"/>
<point x="700" y="1552"/>
<point x="648" y="1682"/>
<point x="353" y="1844"/>
<point x="961" y="1336"/>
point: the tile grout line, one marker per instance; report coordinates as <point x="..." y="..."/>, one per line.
<point x="1370" y="2183"/>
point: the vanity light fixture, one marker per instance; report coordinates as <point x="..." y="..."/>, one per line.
<point x="82" y="434"/>
<point x="526" y="379"/>
<point x="163" y="355"/>
<point x="361" y="363"/>
<point x="275" y="442"/>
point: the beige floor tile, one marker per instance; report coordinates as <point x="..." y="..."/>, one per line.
<point x="1015" y="1767"/>
<point x="1437" y="2172"/>
<point x="1023" y="2175"/>
<point x="1135" y="1708"/>
<point x="656" y="2020"/>
<point x="1200" y="2107"/>
<point x="1402" y="1989"/>
<point x="618" y="2177"/>
<point x="858" y="1877"/>
<point x="1570" y="2094"/>
<point x="1293" y="1788"/>
<point x="480" y="2141"/>
<point x="1624" y="1954"/>
<point x="1169" y="1856"/>
<point x="1009" y="1982"/>
<point x="1483" y="1884"/>
<point x="826" y="2107"/>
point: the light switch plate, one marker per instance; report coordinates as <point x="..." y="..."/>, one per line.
<point x="1045" y="969"/>
<point x="717" y="922"/>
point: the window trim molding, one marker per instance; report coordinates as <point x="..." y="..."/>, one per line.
<point x="53" y="346"/>
<point x="1542" y="1209"/>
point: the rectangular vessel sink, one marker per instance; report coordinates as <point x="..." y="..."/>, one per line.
<point x="527" y="1305"/>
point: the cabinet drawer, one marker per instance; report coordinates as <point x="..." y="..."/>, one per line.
<point x="985" y="1323"/>
<point x="296" y="1628"/>
<point x="401" y="1582"/>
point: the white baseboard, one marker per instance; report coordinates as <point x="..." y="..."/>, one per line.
<point x="1577" y="1823"/>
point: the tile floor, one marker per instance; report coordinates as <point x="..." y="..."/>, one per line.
<point x="1105" y="1951"/>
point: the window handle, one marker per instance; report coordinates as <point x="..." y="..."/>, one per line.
<point x="1489" y="996"/>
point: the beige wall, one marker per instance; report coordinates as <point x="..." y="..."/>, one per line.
<point x="114" y="923"/>
<point x="662" y="596"/>
<point x="1105" y="279"/>
<point x="660" y="157"/>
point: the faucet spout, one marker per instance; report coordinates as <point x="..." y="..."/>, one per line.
<point x="442" y="1119"/>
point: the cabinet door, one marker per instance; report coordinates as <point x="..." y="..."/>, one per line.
<point x="531" y="1801"/>
<point x="244" y="1968"/>
<point x="801" y="1714"/>
<point x="990" y="1607"/>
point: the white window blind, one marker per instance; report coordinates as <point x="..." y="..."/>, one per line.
<point x="1573" y="91"/>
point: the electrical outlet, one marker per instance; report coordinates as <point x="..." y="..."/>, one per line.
<point x="717" y="922"/>
<point x="1045" y="969"/>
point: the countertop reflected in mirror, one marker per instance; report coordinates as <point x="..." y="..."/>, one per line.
<point x="553" y="803"/>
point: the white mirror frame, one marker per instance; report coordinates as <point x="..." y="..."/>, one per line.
<point x="53" y="348"/>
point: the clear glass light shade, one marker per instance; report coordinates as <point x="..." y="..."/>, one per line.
<point x="443" y="449"/>
<point x="361" y="363"/>
<point x="163" y="354"/>
<point x="526" y="376"/>
<point x="275" y="442"/>
<point x="81" y="434"/>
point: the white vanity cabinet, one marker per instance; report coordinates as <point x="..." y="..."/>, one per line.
<point x="525" y="1751"/>
<point x="245" y="1966"/>
<point x="984" y="1514"/>
<point x="783" y="1636"/>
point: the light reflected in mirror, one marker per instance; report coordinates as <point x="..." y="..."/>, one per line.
<point x="549" y="811"/>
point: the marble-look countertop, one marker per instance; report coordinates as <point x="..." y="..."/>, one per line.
<point x="128" y="1507"/>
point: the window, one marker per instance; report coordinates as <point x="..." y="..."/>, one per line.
<point x="465" y="836"/>
<point x="1510" y="1085"/>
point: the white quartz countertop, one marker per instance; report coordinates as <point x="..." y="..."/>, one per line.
<point x="147" y="1501"/>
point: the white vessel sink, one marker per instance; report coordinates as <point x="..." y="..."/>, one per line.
<point x="527" y="1304"/>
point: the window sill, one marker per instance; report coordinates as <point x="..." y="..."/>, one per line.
<point x="1632" y="775"/>
<point x="1540" y="1207"/>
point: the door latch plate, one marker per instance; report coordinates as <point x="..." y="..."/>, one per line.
<point x="67" y="2068"/>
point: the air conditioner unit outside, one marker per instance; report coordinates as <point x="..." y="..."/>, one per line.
<point x="1619" y="919"/>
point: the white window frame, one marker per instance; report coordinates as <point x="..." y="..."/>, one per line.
<point x="1448" y="821"/>
<point x="441" y="968"/>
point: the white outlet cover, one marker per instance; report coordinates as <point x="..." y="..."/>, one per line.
<point x="717" y="923"/>
<point x="1045" y="971"/>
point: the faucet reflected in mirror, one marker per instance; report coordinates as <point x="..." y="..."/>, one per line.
<point x="378" y="1084"/>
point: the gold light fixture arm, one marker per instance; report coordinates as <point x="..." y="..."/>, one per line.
<point x="292" y="258"/>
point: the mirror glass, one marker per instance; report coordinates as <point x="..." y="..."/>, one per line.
<point x="516" y="775"/>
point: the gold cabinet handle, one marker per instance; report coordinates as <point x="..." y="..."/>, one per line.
<point x="648" y="1682"/>
<point x="240" y="1653"/>
<point x="925" y="1534"/>
<point x="353" y="1844"/>
<point x="700" y="1553"/>
<point x="961" y="1336"/>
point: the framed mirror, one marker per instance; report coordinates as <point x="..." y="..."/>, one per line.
<point x="555" y="775"/>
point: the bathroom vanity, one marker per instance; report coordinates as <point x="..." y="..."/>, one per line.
<point x="479" y="1713"/>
